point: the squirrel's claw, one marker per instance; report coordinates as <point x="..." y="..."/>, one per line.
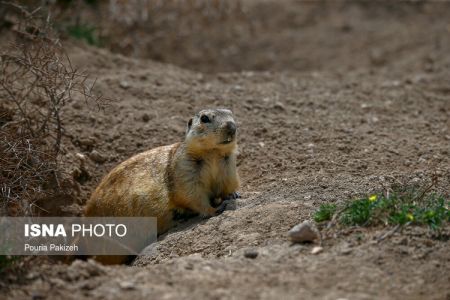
<point x="232" y="196"/>
<point x="222" y="207"/>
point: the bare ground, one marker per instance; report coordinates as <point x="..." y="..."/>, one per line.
<point x="372" y="109"/>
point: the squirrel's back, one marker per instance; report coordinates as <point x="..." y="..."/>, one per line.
<point x="137" y="187"/>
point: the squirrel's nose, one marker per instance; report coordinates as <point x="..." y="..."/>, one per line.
<point x="231" y="128"/>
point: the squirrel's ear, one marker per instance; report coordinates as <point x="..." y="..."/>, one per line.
<point x="189" y="125"/>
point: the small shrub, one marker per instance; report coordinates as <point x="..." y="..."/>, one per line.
<point x="357" y="212"/>
<point x="402" y="207"/>
<point x="37" y="80"/>
<point x="325" y="212"/>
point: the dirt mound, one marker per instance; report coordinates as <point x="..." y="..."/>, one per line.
<point x="283" y="35"/>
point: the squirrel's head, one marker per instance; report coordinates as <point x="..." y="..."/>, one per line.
<point x="212" y="129"/>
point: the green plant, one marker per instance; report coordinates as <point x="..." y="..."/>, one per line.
<point x="357" y="212"/>
<point x="435" y="214"/>
<point x="6" y="261"/>
<point x="325" y="212"/>
<point x="402" y="207"/>
<point x="84" y="32"/>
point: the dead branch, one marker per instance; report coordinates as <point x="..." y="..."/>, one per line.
<point x="37" y="80"/>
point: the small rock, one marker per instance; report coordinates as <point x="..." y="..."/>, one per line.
<point x="127" y="285"/>
<point x="97" y="157"/>
<point x="374" y="119"/>
<point x="250" y="253"/>
<point x="37" y="296"/>
<point x="121" y="149"/>
<point x="82" y="158"/>
<point x="87" y="142"/>
<point x="124" y="84"/>
<point x="77" y="105"/>
<point x="237" y="88"/>
<point x="32" y="275"/>
<point x="304" y="232"/>
<point x="278" y="105"/>
<point x="145" y="117"/>
<point x="346" y="251"/>
<point x="316" y="250"/>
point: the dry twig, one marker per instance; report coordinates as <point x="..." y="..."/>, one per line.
<point x="37" y="80"/>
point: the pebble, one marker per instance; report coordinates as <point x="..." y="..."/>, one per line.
<point x="237" y="88"/>
<point x="97" y="157"/>
<point x="121" y="149"/>
<point x="278" y="105"/>
<point x="316" y="250"/>
<point x="250" y="253"/>
<point x="124" y="84"/>
<point x="81" y="157"/>
<point x="127" y="285"/>
<point x="37" y="296"/>
<point x="32" y="275"/>
<point x="303" y="232"/>
<point x="89" y="142"/>
<point x="346" y="251"/>
<point x="145" y="117"/>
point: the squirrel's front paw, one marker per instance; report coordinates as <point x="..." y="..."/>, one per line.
<point x="222" y="207"/>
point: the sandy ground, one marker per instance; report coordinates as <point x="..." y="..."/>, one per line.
<point x="345" y="108"/>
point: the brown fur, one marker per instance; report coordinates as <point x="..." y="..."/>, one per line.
<point x="178" y="177"/>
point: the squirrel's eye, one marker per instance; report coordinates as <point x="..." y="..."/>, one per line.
<point x="205" y="119"/>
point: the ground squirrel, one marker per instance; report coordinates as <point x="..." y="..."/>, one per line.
<point x="196" y="175"/>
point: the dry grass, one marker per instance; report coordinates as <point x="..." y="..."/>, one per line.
<point x="37" y="80"/>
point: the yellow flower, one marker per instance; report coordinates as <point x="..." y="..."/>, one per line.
<point x="410" y="217"/>
<point x="373" y="198"/>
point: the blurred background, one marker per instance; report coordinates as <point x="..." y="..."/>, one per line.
<point x="235" y="35"/>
